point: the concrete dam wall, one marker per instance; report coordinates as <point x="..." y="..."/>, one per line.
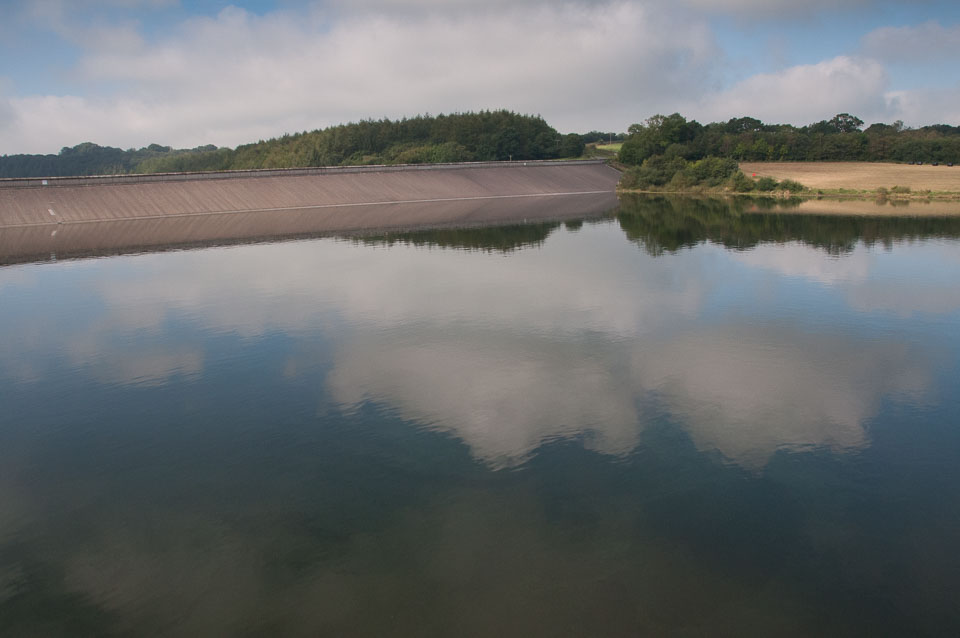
<point x="77" y="217"/>
<point x="79" y="200"/>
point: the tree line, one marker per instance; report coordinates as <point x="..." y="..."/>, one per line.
<point x="505" y="135"/>
<point x="457" y="137"/>
<point x="88" y="159"/>
<point x="842" y="138"/>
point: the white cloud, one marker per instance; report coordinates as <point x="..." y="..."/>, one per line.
<point x="85" y="24"/>
<point x="238" y="77"/>
<point x="804" y="93"/>
<point x="927" y="42"/>
<point x="8" y="121"/>
<point x="751" y="9"/>
<point x="46" y="9"/>
<point x="919" y="107"/>
<point x="765" y="9"/>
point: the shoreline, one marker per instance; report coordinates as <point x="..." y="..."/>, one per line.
<point x="880" y="182"/>
<point x="866" y="195"/>
<point x="782" y="202"/>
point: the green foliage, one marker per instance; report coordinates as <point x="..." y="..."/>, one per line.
<point x="426" y="154"/>
<point x="480" y="136"/>
<point x="675" y="173"/>
<point x="766" y="184"/>
<point x="486" y="135"/>
<point x="502" y="135"/>
<point x="740" y="183"/>
<point x="602" y="138"/>
<point x="846" y="123"/>
<point x="91" y="159"/>
<point x="681" y="181"/>
<point x="748" y="139"/>
<point x="572" y="145"/>
<point x="792" y="186"/>
<point x="655" y="171"/>
<point x="656" y="135"/>
<point x="713" y="171"/>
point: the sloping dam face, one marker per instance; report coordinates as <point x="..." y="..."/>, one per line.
<point x="77" y="216"/>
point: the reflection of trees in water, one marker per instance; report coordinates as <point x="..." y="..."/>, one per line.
<point x="667" y="224"/>
<point x="506" y="237"/>
<point x="664" y="223"/>
<point x="490" y="238"/>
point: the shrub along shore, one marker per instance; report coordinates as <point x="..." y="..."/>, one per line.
<point x="838" y="157"/>
<point x="660" y="173"/>
<point x="715" y="175"/>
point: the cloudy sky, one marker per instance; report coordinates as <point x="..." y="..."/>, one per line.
<point x="132" y="72"/>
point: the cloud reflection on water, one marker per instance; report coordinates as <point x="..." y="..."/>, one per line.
<point x="502" y="399"/>
<point x="907" y="286"/>
<point x="576" y="339"/>
<point x="795" y="259"/>
<point x="750" y="392"/>
<point x="744" y="393"/>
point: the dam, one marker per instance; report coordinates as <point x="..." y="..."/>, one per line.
<point x="76" y="216"/>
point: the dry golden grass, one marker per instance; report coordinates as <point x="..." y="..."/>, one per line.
<point x="863" y="176"/>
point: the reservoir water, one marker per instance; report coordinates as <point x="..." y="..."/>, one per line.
<point x="680" y="418"/>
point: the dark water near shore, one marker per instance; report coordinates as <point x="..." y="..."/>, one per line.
<point x="683" y="419"/>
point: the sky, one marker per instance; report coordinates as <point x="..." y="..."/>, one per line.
<point x="129" y="73"/>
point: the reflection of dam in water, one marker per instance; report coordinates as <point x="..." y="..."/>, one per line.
<point x="84" y="216"/>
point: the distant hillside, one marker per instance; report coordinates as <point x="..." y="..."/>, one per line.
<point x="485" y="135"/>
<point x="89" y="159"/>
<point x="504" y="135"/>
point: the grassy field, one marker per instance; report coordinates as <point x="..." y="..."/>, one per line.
<point x="613" y="148"/>
<point x="859" y="176"/>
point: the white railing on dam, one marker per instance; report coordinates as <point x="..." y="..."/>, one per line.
<point x="139" y="178"/>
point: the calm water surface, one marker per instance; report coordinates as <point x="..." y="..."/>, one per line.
<point x="679" y="420"/>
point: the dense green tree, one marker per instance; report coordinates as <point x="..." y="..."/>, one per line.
<point x="846" y="123"/>
<point x="598" y="137"/>
<point x="571" y="145"/>
<point x="88" y="158"/>
<point x="656" y="135"/>
<point x="502" y="135"/>
<point x="484" y="135"/>
<point x="749" y="139"/>
<point x="744" y="125"/>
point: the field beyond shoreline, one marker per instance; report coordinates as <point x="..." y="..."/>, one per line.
<point x="837" y="177"/>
